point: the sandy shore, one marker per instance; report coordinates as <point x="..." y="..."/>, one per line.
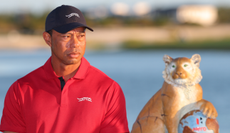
<point x="115" y="36"/>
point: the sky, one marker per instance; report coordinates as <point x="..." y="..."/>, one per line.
<point x="40" y="6"/>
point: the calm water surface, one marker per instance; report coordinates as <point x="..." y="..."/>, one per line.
<point x="139" y="73"/>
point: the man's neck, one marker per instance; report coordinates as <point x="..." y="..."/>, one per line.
<point x="65" y="71"/>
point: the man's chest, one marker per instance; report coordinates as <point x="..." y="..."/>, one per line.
<point x="75" y="104"/>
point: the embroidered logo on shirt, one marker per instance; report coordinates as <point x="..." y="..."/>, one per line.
<point x="72" y="14"/>
<point x="84" y="99"/>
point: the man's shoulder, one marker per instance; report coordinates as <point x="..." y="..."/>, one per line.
<point x="27" y="80"/>
<point x="99" y="77"/>
<point x="98" y="73"/>
<point x="37" y="73"/>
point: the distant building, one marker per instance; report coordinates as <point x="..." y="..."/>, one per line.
<point x="141" y="8"/>
<point x="120" y="9"/>
<point x="169" y="13"/>
<point x="204" y="15"/>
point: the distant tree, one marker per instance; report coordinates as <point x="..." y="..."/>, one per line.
<point x="223" y="15"/>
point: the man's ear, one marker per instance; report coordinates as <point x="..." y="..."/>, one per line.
<point x="47" y="38"/>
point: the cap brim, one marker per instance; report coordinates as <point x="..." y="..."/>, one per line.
<point x="67" y="27"/>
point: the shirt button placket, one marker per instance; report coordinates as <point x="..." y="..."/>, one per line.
<point x="64" y="95"/>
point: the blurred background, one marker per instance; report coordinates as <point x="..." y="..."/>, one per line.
<point x="129" y="41"/>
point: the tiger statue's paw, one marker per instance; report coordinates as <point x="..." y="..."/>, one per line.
<point x="208" y="109"/>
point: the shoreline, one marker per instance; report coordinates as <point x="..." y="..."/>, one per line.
<point x="114" y="37"/>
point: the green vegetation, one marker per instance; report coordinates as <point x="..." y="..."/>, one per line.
<point x="29" y="23"/>
<point x="24" y="23"/>
<point x="216" y="45"/>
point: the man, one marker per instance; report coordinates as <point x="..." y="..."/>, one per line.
<point x="66" y="94"/>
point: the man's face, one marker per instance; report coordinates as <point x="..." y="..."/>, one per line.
<point x="68" y="48"/>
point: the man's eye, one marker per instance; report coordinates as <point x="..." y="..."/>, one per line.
<point x="82" y="35"/>
<point x="66" y="36"/>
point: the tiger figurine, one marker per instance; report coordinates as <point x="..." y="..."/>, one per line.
<point x="180" y="93"/>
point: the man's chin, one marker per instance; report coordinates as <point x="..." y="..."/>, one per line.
<point x="72" y="61"/>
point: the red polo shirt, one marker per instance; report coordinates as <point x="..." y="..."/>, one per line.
<point x="90" y="102"/>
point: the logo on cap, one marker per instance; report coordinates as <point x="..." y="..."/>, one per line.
<point x="72" y="14"/>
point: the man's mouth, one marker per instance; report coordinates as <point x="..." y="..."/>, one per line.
<point x="74" y="55"/>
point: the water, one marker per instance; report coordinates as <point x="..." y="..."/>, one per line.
<point x="139" y="73"/>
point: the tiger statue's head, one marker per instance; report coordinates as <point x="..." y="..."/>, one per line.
<point x="182" y="71"/>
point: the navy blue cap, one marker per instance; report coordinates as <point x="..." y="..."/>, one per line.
<point x="65" y="18"/>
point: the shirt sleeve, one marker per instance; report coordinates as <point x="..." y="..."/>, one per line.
<point x="115" y="120"/>
<point x="12" y="119"/>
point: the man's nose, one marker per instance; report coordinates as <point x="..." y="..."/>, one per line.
<point x="74" y="42"/>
